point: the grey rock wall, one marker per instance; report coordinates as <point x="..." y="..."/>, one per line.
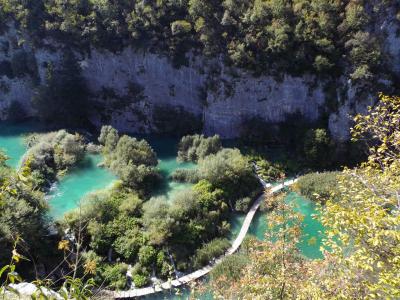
<point x="127" y="86"/>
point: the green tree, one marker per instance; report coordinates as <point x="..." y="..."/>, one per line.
<point x="195" y="147"/>
<point x="231" y="172"/>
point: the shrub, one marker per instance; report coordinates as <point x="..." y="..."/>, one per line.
<point x="195" y="147"/>
<point x="209" y="251"/>
<point x="52" y="153"/>
<point x="243" y="204"/>
<point x="317" y="186"/>
<point x="128" y="244"/>
<point x="140" y="280"/>
<point x="268" y="170"/>
<point x="132" y="160"/>
<point x="113" y="276"/>
<point x="231" y="267"/>
<point x="147" y="255"/>
<point x="231" y="172"/>
<point x="180" y="27"/>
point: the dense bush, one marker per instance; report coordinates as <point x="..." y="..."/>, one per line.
<point x="324" y="37"/>
<point x="210" y="251"/>
<point x="133" y="161"/>
<point x="22" y="217"/>
<point x="51" y="154"/>
<point x="200" y="212"/>
<point x="195" y="147"/>
<point x="267" y="170"/>
<point x="117" y="225"/>
<point x="231" y="267"/>
<point x="230" y="171"/>
<point x="318" y="186"/>
<point x="243" y="204"/>
<point x="112" y="276"/>
<point x="113" y="223"/>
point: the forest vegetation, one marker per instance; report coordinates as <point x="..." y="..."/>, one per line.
<point x="128" y="229"/>
<point x="329" y="38"/>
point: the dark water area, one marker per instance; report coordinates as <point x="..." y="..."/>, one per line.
<point x="167" y="149"/>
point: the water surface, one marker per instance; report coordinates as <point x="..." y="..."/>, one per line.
<point x="65" y="194"/>
<point x="78" y="182"/>
<point x="166" y="149"/>
<point x="87" y="177"/>
<point x="12" y="139"/>
<point x="312" y="229"/>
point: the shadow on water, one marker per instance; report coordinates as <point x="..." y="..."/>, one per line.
<point x="167" y="149"/>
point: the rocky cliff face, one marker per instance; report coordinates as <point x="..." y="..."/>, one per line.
<point x="223" y="107"/>
<point x="128" y="86"/>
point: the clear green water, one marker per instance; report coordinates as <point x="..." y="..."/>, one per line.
<point x="312" y="229"/>
<point x="166" y="149"/>
<point x="81" y="180"/>
<point x="87" y="177"/>
<point x="65" y="195"/>
<point x="12" y="141"/>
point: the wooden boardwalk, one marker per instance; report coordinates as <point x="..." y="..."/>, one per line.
<point x="203" y="271"/>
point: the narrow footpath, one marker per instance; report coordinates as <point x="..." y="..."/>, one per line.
<point x="203" y="271"/>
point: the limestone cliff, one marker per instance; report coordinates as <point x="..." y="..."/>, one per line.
<point x="126" y="88"/>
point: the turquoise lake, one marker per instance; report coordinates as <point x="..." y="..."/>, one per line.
<point x="87" y="176"/>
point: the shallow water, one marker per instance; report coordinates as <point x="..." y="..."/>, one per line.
<point x="166" y="149"/>
<point x="312" y="229"/>
<point x="12" y="140"/>
<point x="87" y="177"/>
<point x="78" y="182"/>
